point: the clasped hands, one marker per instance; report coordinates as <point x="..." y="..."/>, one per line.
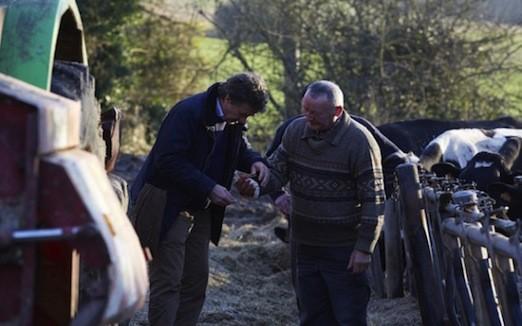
<point x="245" y="184"/>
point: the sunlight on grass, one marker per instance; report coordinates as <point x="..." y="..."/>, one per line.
<point x="261" y="126"/>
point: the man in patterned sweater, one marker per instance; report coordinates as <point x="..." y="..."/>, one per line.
<point x="333" y="167"/>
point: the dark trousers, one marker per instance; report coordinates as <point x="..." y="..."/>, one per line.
<point x="328" y="293"/>
<point x="179" y="272"/>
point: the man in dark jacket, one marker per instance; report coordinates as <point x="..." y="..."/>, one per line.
<point x="199" y="146"/>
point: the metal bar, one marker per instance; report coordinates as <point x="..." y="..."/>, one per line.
<point x="10" y="238"/>
<point x="457" y="285"/>
<point x="488" y="290"/>
<point x="500" y="268"/>
<point x="462" y="286"/>
<point x="513" y="298"/>
<point x="474" y="234"/>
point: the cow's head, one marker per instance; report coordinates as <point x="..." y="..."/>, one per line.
<point x="448" y="169"/>
<point x="487" y="168"/>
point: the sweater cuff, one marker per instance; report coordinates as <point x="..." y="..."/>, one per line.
<point x="369" y="232"/>
<point x="365" y="245"/>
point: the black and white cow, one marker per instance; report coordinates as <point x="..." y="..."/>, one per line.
<point x="458" y="146"/>
<point x="414" y="135"/>
<point x="475" y="155"/>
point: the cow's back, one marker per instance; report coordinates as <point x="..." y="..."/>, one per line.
<point x="414" y="135"/>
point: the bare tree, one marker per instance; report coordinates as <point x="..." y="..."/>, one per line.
<point x="393" y="59"/>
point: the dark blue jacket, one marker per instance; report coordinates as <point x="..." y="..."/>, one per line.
<point x="180" y="160"/>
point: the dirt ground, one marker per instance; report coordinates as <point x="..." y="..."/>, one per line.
<point x="250" y="272"/>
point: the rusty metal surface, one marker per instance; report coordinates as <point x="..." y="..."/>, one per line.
<point x="19" y="175"/>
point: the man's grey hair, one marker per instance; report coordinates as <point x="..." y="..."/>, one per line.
<point x="331" y="90"/>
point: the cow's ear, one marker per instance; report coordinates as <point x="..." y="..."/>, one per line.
<point x="445" y="169"/>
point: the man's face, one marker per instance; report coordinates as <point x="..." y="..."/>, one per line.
<point x="320" y="114"/>
<point x="236" y="112"/>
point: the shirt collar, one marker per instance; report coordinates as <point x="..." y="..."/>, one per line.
<point x="332" y="135"/>
<point x="219" y="110"/>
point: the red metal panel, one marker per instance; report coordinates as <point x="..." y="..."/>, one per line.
<point x="13" y="119"/>
<point x="18" y="175"/>
<point x="60" y="205"/>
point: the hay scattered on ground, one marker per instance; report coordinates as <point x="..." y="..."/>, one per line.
<point x="249" y="280"/>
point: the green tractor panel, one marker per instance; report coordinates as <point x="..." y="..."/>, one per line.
<point x="35" y="34"/>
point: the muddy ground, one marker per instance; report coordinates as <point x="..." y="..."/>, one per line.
<point x="250" y="272"/>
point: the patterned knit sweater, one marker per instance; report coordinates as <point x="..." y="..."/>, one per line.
<point x="336" y="183"/>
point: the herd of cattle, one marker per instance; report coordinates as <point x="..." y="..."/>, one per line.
<point x="486" y="152"/>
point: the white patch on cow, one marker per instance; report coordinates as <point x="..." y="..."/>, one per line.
<point x="507" y="132"/>
<point x="460" y="145"/>
<point x="483" y="164"/>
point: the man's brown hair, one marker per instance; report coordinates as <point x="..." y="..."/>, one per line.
<point x="246" y="87"/>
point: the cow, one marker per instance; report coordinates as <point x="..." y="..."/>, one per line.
<point x="414" y="135"/>
<point x="509" y="194"/>
<point x="458" y="146"/>
<point x="485" y="167"/>
<point x="495" y="158"/>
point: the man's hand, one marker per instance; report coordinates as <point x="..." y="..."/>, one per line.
<point x="246" y="185"/>
<point x="262" y="172"/>
<point x="221" y="196"/>
<point x="359" y="261"/>
<point x="284" y="203"/>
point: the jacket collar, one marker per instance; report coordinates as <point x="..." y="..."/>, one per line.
<point x="210" y="115"/>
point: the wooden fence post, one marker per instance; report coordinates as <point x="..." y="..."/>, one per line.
<point x="393" y="250"/>
<point x="429" y="289"/>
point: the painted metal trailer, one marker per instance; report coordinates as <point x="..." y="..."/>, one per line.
<point x="68" y="253"/>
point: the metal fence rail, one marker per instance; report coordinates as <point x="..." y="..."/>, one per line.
<point x="464" y="255"/>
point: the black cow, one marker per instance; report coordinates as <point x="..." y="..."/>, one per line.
<point x="486" y="168"/>
<point x="509" y="194"/>
<point x="414" y="135"/>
